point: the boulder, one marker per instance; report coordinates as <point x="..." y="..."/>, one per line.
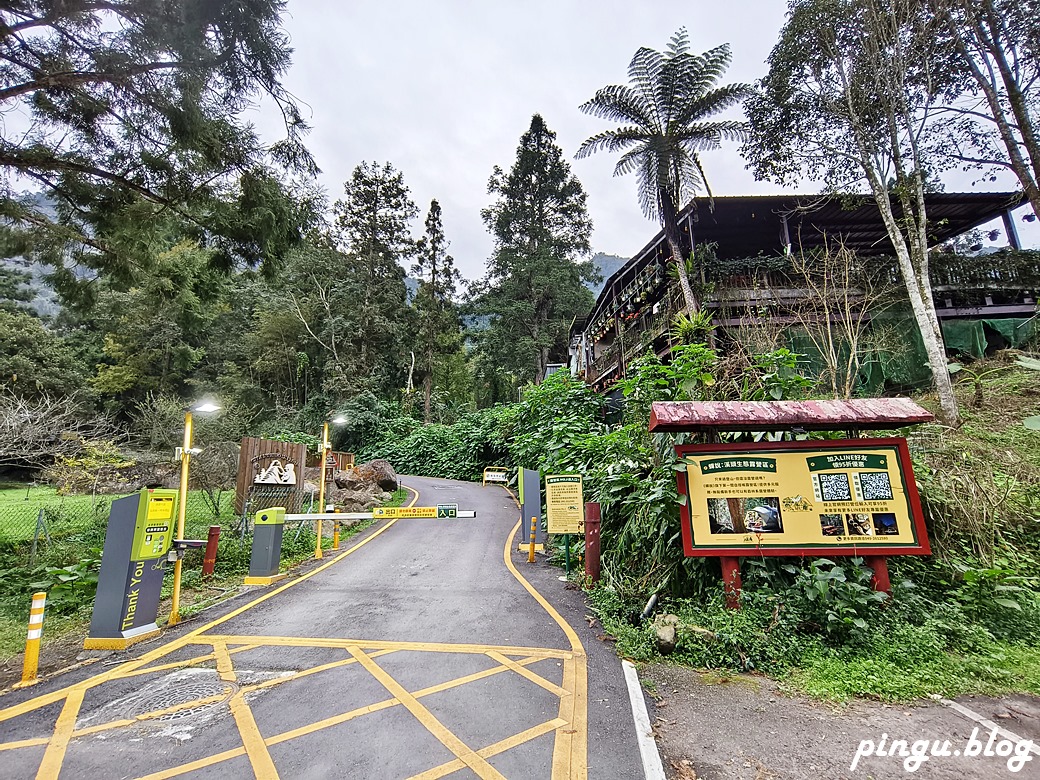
<point x="354" y="500"/>
<point x="349" y="480"/>
<point x="380" y="472"/>
<point x="665" y="627"/>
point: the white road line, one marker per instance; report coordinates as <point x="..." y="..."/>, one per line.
<point x="652" y="767"/>
<point x="982" y="721"/>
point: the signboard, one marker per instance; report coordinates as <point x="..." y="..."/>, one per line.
<point x="564" y="506"/>
<point x="441" y="510"/>
<point x="854" y="496"/>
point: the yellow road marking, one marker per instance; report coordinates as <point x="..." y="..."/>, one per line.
<point x="493" y="750"/>
<point x="180" y="664"/>
<point x="336" y="720"/>
<point x="307" y="672"/>
<point x="63" y="728"/>
<point x="176" y="644"/>
<point x="224" y="667"/>
<point x="24" y="743"/>
<point x="570" y="754"/>
<point x="528" y="674"/>
<point x="252" y="739"/>
<point x="482" y="768"/>
<point x="377" y="644"/>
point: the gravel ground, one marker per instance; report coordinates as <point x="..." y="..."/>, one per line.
<point x="743" y="727"/>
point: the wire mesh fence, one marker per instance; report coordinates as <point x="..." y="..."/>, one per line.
<point x="36" y="518"/>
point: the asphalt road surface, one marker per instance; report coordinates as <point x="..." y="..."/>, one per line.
<point x="424" y="649"/>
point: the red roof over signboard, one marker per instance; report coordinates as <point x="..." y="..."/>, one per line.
<point x="857" y="414"/>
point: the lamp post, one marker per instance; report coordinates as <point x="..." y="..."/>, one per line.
<point x="185" y="453"/>
<point x="323" y="455"/>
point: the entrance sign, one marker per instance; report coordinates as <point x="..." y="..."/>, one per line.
<point x="846" y="497"/>
<point x="564" y="505"/>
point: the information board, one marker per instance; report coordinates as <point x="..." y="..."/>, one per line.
<point x="783" y="498"/>
<point x="564" y="505"/>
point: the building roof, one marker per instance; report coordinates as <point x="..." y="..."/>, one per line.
<point x="751" y="225"/>
<point x="871" y="414"/>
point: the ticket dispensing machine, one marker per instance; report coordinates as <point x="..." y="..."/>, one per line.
<point x="137" y="544"/>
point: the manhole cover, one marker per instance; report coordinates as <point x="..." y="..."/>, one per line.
<point x="181" y="693"/>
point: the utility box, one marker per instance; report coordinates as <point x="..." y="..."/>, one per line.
<point x="266" y="554"/>
<point x="139" y="536"/>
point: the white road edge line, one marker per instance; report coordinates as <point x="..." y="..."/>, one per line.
<point x="652" y="767"/>
<point x="982" y="721"/>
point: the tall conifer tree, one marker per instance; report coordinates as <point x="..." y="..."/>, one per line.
<point x="533" y="286"/>
<point x="439" y="334"/>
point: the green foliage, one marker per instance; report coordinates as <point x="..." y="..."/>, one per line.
<point x="35" y="360"/>
<point x="837" y="598"/>
<point x="69" y="587"/>
<point x="134" y="117"/>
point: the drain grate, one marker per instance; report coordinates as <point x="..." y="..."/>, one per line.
<point x="182" y="693"/>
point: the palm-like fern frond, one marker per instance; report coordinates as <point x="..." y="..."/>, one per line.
<point x="663" y="113"/>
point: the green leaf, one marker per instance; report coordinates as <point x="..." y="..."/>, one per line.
<point x="1027" y="362"/>
<point x="1032" y="423"/>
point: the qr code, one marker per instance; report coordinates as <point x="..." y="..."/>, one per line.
<point x="835" y="487"/>
<point x="875" y="485"/>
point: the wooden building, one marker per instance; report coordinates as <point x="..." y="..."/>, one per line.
<point x="749" y="275"/>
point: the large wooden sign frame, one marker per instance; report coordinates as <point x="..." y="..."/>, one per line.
<point x="838" y="497"/>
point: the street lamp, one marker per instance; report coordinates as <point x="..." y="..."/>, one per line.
<point x="323" y="455"/>
<point x="184" y="453"/>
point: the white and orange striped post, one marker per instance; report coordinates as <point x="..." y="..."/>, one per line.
<point x="32" y="641"/>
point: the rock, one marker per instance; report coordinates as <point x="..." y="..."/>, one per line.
<point x="665" y="638"/>
<point x="310" y="488"/>
<point x="354" y="500"/>
<point x="384" y="497"/>
<point x="380" y="472"/>
<point x="349" y="480"/>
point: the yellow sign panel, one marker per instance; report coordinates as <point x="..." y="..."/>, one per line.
<point x="846" y="494"/>
<point x="404" y="511"/>
<point x="564" y="506"/>
<point x="441" y="510"/>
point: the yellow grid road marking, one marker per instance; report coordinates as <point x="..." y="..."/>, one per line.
<point x="528" y="674"/>
<point x="224" y="668"/>
<point x="378" y="644"/>
<point x="63" y="728"/>
<point x="482" y="768"/>
<point x="493" y="750"/>
<point x="252" y="739"/>
<point x="570" y="748"/>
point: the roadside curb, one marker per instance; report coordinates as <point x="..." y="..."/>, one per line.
<point x="653" y="769"/>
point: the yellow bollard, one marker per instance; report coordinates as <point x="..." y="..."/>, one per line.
<point x="534" y="530"/>
<point x="32" y="641"/>
<point x="335" y="532"/>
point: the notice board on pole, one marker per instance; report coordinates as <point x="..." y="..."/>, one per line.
<point x="845" y="497"/>
<point x="564" y="505"/>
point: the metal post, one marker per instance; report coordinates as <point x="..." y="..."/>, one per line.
<point x="182" y="503"/>
<point x="210" y="558"/>
<point x="592" y="521"/>
<point x="731" y="581"/>
<point x="31" y="665"/>
<point x="567" y="554"/>
<point x="879" y="580"/>
<point x="534" y="529"/>
<point x="321" y="485"/>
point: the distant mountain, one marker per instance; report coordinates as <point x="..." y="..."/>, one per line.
<point x="608" y="265"/>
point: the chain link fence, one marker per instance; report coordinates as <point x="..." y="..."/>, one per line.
<point x="36" y="518"/>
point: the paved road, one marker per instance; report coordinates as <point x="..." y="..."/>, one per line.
<point x="421" y="651"/>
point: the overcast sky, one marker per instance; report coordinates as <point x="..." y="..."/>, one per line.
<point x="444" y="90"/>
